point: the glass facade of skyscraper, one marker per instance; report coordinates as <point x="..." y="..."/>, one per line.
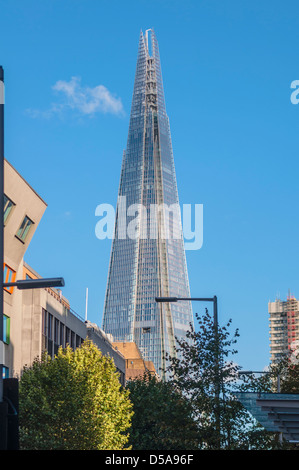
<point x="147" y="256"/>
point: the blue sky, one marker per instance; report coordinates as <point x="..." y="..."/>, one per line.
<point x="227" y="69"/>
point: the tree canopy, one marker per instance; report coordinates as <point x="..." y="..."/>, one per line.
<point x="73" y="402"/>
<point x="162" y="417"/>
<point x="205" y="372"/>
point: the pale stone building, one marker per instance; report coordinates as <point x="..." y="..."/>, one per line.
<point x="36" y="320"/>
<point x="23" y="210"/>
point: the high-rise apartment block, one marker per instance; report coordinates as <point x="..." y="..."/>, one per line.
<point x="148" y="256"/>
<point x="284" y="327"/>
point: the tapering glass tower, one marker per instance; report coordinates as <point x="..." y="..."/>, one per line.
<point x="147" y="256"/>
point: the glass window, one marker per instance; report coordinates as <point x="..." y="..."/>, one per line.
<point x="44" y="321"/>
<point x="72" y="340"/>
<point x="50" y="325"/>
<point x="50" y="347"/>
<point x="5" y="372"/>
<point x="61" y="335"/>
<point x="56" y="330"/>
<point x="6" y="329"/>
<point x="24" y="228"/>
<point x="9" y="275"/>
<point x="78" y="341"/>
<point x="67" y="335"/>
<point x="8" y="205"/>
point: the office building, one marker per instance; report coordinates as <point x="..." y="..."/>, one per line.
<point x="36" y="320"/>
<point x="147" y="256"/>
<point x="23" y="210"/>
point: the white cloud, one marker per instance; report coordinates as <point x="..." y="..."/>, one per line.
<point x="84" y="100"/>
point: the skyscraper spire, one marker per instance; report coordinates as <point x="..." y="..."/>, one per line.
<point x="147" y="256"/>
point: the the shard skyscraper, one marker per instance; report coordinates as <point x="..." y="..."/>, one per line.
<point x="147" y="256"/>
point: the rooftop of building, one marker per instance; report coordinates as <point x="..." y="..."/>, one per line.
<point x="136" y="366"/>
<point x="26" y="182"/>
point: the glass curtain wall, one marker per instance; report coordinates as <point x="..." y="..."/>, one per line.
<point x="152" y="263"/>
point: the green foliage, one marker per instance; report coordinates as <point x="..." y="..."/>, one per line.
<point x="288" y="370"/>
<point x="162" y="417"/>
<point x="207" y="376"/>
<point x="73" y="402"/>
<point x="281" y="377"/>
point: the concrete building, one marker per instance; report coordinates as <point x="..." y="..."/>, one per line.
<point x="36" y="320"/>
<point x="23" y="210"/>
<point x="284" y="327"/>
<point x="135" y="365"/>
<point x="105" y="344"/>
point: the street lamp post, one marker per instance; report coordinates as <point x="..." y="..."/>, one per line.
<point x="21" y="284"/>
<point x="200" y="299"/>
<point x="36" y="283"/>
<point x="1" y="230"/>
<point x="3" y="405"/>
<point x="215" y="325"/>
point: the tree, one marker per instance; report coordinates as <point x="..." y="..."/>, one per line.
<point x="205" y="373"/>
<point x="280" y="377"/>
<point x="288" y="371"/>
<point x="162" y="417"/>
<point x="73" y="402"/>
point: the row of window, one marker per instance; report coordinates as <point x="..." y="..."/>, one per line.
<point x="56" y="334"/>
<point x="26" y="223"/>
